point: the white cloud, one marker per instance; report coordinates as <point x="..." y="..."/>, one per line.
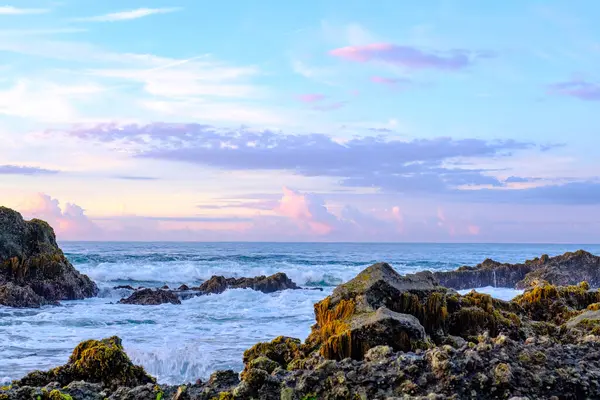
<point x="11" y="10"/>
<point x="129" y="15"/>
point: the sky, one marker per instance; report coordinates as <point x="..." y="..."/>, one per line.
<point x="353" y="120"/>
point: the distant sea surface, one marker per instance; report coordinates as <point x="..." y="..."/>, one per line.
<point x="180" y="343"/>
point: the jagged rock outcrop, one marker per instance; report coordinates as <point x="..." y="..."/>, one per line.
<point x="265" y="284"/>
<point x="566" y="269"/>
<point x="31" y="259"/>
<point x="386" y="336"/>
<point x="94" y="361"/>
<point x="149" y="297"/>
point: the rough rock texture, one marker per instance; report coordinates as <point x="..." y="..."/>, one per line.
<point x="30" y="258"/>
<point x="21" y="296"/>
<point x="94" y="361"/>
<point x="567" y="269"/>
<point x="149" y="297"/>
<point x="384" y="336"/>
<point x="265" y="284"/>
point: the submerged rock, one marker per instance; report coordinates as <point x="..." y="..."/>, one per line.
<point x="567" y="269"/>
<point x="149" y="297"/>
<point x="265" y="284"/>
<point x="31" y="259"/>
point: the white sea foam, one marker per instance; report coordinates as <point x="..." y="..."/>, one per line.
<point x="176" y="343"/>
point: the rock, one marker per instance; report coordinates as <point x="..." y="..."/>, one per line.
<point x="149" y="297"/>
<point x="282" y="350"/>
<point x="345" y="318"/>
<point x="82" y="390"/>
<point x="183" y="287"/>
<point x="385" y="327"/>
<point x="556" y="303"/>
<point x="12" y="295"/>
<point x="128" y="287"/>
<point x="567" y="269"/>
<point x="265" y="284"/>
<point x="93" y="361"/>
<point x="30" y="257"/>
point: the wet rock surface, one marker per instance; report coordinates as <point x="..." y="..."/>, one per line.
<point x="385" y="336"/>
<point x="33" y="269"/>
<point x="265" y="284"/>
<point x="149" y="297"/>
<point x="566" y="269"/>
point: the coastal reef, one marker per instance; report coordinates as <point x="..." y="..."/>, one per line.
<point x="33" y="269"/>
<point x="566" y="269"/>
<point x="381" y="336"/>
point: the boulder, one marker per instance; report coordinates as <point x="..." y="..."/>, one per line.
<point x="567" y="269"/>
<point x="265" y="284"/>
<point x="12" y="295"/>
<point x="149" y="297"/>
<point x="30" y="257"/>
<point x="93" y="361"/>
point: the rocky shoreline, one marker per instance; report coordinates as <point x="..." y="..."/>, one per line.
<point x="380" y="335"/>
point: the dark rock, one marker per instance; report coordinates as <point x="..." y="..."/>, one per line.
<point x="12" y="295"/>
<point x="93" y="361"/>
<point x="30" y="257"/>
<point x="149" y="297"/>
<point x="265" y="284"/>
<point x="385" y="327"/>
<point x="165" y="287"/>
<point x="128" y="287"/>
<point x="183" y="287"/>
<point x="567" y="269"/>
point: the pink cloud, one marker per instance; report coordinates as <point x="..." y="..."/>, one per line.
<point x="406" y="56"/>
<point x="308" y="211"/>
<point x="474" y="230"/>
<point x="388" y="81"/>
<point x="69" y="223"/>
<point x="578" y="89"/>
<point x="311" y="97"/>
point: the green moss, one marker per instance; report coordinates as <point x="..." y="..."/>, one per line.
<point x="310" y="397"/>
<point x="57" y="395"/>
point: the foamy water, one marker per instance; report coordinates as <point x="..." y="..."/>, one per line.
<point x="180" y="343"/>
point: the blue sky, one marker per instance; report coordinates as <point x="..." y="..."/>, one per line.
<point x="316" y="120"/>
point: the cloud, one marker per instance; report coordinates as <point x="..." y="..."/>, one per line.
<point x="330" y="106"/>
<point x="311" y="97"/>
<point x="408" y="57"/>
<point x="579" y="89"/>
<point x="389" y="81"/>
<point x="11" y="10"/>
<point x="129" y="15"/>
<point x="308" y="211"/>
<point x="250" y="204"/>
<point x="69" y="223"/>
<point x="390" y="164"/>
<point x="24" y="170"/>
<point x="135" y="178"/>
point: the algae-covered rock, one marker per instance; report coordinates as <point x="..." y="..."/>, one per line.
<point x="31" y="258"/>
<point x="94" y="361"/>
<point x="556" y="303"/>
<point x="147" y="297"/>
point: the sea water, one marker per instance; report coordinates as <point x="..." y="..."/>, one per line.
<point x="181" y="343"/>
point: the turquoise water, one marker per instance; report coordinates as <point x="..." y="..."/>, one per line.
<point x="180" y="343"/>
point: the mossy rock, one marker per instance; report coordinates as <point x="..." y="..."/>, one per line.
<point x="95" y="361"/>
<point x="282" y="350"/>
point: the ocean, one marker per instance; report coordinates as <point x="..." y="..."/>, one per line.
<point x="181" y="343"/>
